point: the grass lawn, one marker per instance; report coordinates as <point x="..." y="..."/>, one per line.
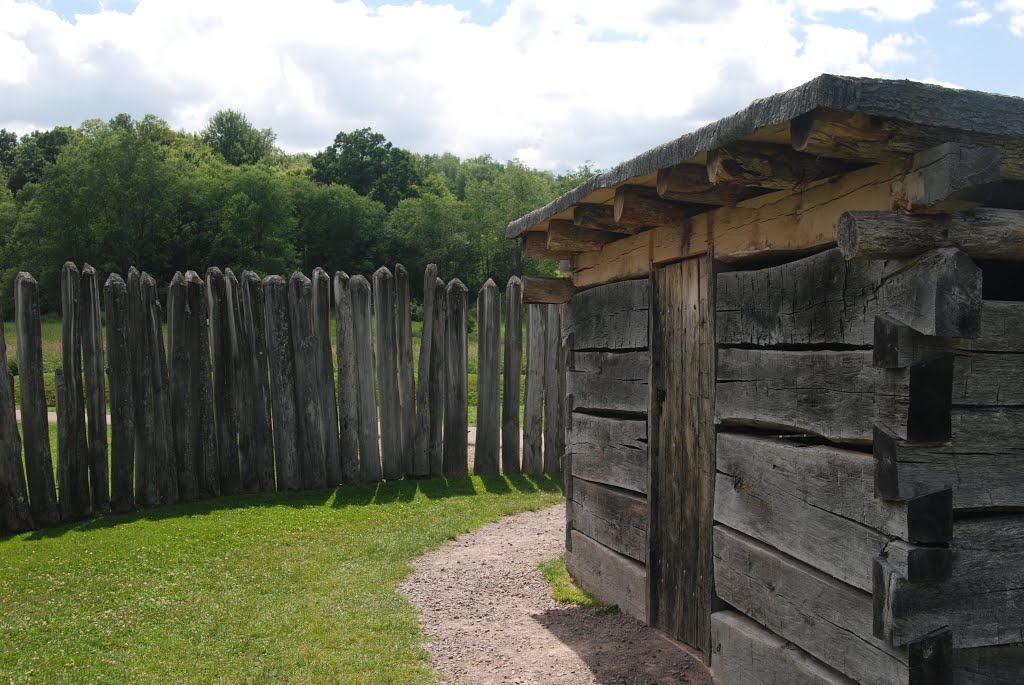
<point x="296" y="588"/>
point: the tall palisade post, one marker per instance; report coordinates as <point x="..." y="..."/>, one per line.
<point x="204" y="427"/>
<point x="387" y="373"/>
<point x="254" y="326"/>
<point x="244" y="383"/>
<point x="533" y="411"/>
<point x="348" y="418"/>
<point x="179" y="372"/>
<point x="437" y="381"/>
<point x="72" y="459"/>
<point x="165" y="471"/>
<point x="223" y="382"/>
<point x="95" y="389"/>
<point x="554" y="433"/>
<point x="15" y="515"/>
<point x="307" y="396"/>
<point x="325" y="376"/>
<point x="456" y="411"/>
<point x="366" y="396"/>
<point x="420" y="466"/>
<point x="488" y="407"/>
<point x="510" y="438"/>
<point x="406" y="383"/>
<point x="122" y="404"/>
<point x="282" y="383"/>
<point x="140" y="386"/>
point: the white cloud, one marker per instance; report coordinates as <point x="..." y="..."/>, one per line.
<point x="880" y="10"/>
<point x="967" y="4"/>
<point x="973" y="19"/>
<point x="1015" y="8"/>
<point x="945" y="84"/>
<point x="893" y="49"/>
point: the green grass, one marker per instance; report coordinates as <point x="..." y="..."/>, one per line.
<point x="565" y="591"/>
<point x="296" y="588"/>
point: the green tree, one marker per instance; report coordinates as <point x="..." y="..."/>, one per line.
<point x="8" y="145"/>
<point x="231" y="135"/>
<point x="34" y="153"/>
<point x="369" y="164"/>
<point x="338" y="229"/>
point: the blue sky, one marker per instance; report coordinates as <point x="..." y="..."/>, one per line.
<point x="555" y="83"/>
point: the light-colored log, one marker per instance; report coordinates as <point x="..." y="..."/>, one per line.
<point x="387" y="373"/>
<point x="325" y="377"/>
<point x="513" y="365"/>
<point x="545" y="290"/>
<point x="533" y="417"/>
<point x="641" y="207"/>
<point x="95" y="390"/>
<point x="565" y="236"/>
<point x="406" y="381"/>
<point x="456" y="410"/>
<point x="366" y="394"/>
<point x="282" y="383"/>
<point x="347" y="379"/>
<point x="488" y="402"/>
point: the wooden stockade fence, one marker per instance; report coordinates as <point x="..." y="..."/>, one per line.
<point x="243" y="396"/>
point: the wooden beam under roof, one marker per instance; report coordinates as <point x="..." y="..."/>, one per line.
<point x="543" y="290"/>
<point x="599" y="218"/>
<point x="767" y="165"/>
<point x="690" y="183"/>
<point x="535" y="246"/>
<point x="565" y="236"/>
<point x="641" y="207"/>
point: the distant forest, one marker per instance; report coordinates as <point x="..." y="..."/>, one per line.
<point x="136" y="192"/>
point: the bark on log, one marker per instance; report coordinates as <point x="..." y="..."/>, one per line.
<point x="456" y="410"/>
<point x="223" y="382"/>
<point x="282" y="384"/>
<point x="347" y="397"/>
<point x="95" y="390"/>
<point x="554" y="393"/>
<point x="406" y="383"/>
<point x="73" y="460"/>
<point x="307" y="395"/>
<point x="122" y="404"/>
<point x="329" y="435"/>
<point x="513" y="364"/>
<point x="533" y="459"/>
<point x="180" y="328"/>
<point x="362" y="334"/>
<point x="420" y="467"/>
<point x="387" y="374"/>
<point x="488" y="400"/>
<point x="254" y="326"/>
<point x="15" y="514"/>
<point x="438" y="391"/>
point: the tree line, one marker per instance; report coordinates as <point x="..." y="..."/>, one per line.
<point x="137" y="192"/>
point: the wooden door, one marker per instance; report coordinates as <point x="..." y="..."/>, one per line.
<point x="682" y="452"/>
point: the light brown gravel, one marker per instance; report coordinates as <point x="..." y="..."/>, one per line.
<point x="491" y="619"/>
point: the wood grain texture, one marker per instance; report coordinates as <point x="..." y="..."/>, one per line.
<point x="348" y="417"/>
<point x="609" y="450"/>
<point x="15" y="515"/>
<point x="245" y="384"/>
<point x="535" y="246"/>
<point x="366" y="394"/>
<point x="420" y="466"/>
<point x="328" y="400"/>
<point x="438" y="391"/>
<point x="312" y="457"/>
<point x="179" y="368"/>
<point x="554" y="393"/>
<point x="223" y="383"/>
<point x="122" y="405"/>
<point x="565" y="236"/>
<point x="641" y="207"/>
<point x="73" y="460"/>
<point x="546" y="290"/>
<point x="1000" y="665"/>
<point x="406" y="380"/>
<point x="690" y="183"/>
<point x="939" y="293"/>
<point x="533" y="455"/>
<point x="95" y="390"/>
<point x="607" y="575"/>
<point x="513" y="363"/>
<point x="609" y="381"/>
<point x="954" y="176"/>
<point x="598" y="217"/>
<point x="387" y="373"/>
<point x="488" y="407"/>
<point x="254" y="325"/>
<point x="765" y="165"/>
<point x="282" y="384"/>
<point x="610" y="317"/>
<point x="456" y="409"/>
<point x="615" y="518"/>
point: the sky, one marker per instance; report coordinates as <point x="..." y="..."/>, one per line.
<point x="554" y="83"/>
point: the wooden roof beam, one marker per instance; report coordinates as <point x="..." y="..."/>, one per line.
<point x="599" y="218"/>
<point x="535" y="246"/>
<point x="565" y="236"/>
<point x="543" y="290"/>
<point x="764" y="165"/>
<point x="640" y="207"/>
<point x="690" y="183"/>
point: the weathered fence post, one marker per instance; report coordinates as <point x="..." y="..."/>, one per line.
<point x="95" y="389"/>
<point x="437" y="381"/>
<point x="180" y="375"/>
<point x="325" y="376"/>
<point x="254" y="327"/>
<point x="406" y="383"/>
<point x="164" y="469"/>
<point x="347" y="397"/>
<point x="122" y="404"/>
<point x="307" y="395"/>
<point x="223" y="382"/>
<point x="456" y="410"/>
<point x="533" y="411"/>
<point x="554" y="432"/>
<point x="420" y="466"/>
<point x="488" y="398"/>
<point x="387" y="374"/>
<point x="366" y="396"/>
<point x="242" y="389"/>
<point x="72" y="461"/>
<point x="512" y="374"/>
<point x="141" y="389"/>
<point x="15" y="515"/>
<point x="205" y="427"/>
<point x="282" y="383"/>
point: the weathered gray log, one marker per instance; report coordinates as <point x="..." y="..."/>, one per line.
<point x="34" y="422"/>
<point x="142" y="391"/>
<point x="609" y="381"/>
<point x="565" y="236"/>
<point x="456" y="408"/>
<point x="535" y="246"/>
<point x="366" y="399"/>
<point x="937" y="294"/>
<point x="826" y="618"/>
<point x="438" y="391"/>
<point x="554" y="393"/>
<point x="610" y="450"/>
<point x="307" y="395"/>
<point x="488" y="400"/>
<point x="205" y="424"/>
<point x="546" y="290"/>
<point x="122" y="404"/>
<point x="180" y="365"/>
<point x="512" y="373"/>
<point x="282" y="383"/>
<point x="73" y="460"/>
<point x="609" y="317"/>
<point x="225" y="410"/>
<point x="765" y="165"/>
<point x="982" y="602"/>
<point x="690" y="183"/>
<point x="406" y="383"/>
<point x="15" y="514"/>
<point x="420" y="466"/>
<point x="615" y="518"/>
<point x="743" y="651"/>
<point x="244" y="383"/>
<point x="387" y="374"/>
<point x="95" y="390"/>
<point x="254" y="327"/>
<point x="919" y="563"/>
<point x="533" y="417"/>
<point x="348" y="444"/>
<point x="1001" y="665"/>
<point x="607" y="575"/>
<point x="598" y="217"/>
<point x="641" y="207"/>
<point x="64" y="439"/>
<point x="982" y="233"/>
<point x="164" y="468"/>
<point x="955" y="176"/>
<point x="329" y="436"/>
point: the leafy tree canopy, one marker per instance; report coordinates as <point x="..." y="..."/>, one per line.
<point x="231" y="135"/>
<point x="369" y="164"/>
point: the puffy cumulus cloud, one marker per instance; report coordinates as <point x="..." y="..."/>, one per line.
<point x="881" y="10"/>
<point x="1015" y="10"/>
<point x="555" y="83"/>
<point x="893" y="48"/>
<point x="976" y="19"/>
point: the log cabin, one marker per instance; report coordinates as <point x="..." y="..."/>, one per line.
<point x="795" y="385"/>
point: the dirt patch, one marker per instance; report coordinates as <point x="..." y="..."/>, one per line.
<point x="491" y="619"/>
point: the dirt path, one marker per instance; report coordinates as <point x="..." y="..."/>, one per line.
<point x="491" y="619"/>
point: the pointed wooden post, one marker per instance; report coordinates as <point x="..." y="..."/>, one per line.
<point x="307" y="396"/>
<point x="243" y="382"/>
<point x="366" y="395"/>
<point x="141" y="388"/>
<point x="164" y="469"/>
<point x="406" y="383"/>
<point x="488" y="399"/>
<point x="533" y="412"/>
<point x="325" y="376"/>
<point x="387" y="374"/>
<point x="15" y="515"/>
<point x="73" y="462"/>
<point x="554" y="433"/>
<point x="179" y="370"/>
<point x="437" y="381"/>
<point x="205" y="426"/>
<point x="348" y="417"/>
<point x="254" y="327"/>
<point x="510" y="438"/>
<point x="420" y="466"/>
<point x="456" y="410"/>
<point x="122" y="405"/>
<point x="282" y="383"/>
<point x="223" y="382"/>
<point x="95" y="390"/>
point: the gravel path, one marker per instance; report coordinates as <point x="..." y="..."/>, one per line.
<point x="491" y="619"/>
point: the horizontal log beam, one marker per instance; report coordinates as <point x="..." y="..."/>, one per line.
<point x="690" y="183"/>
<point x="610" y="317"/>
<point x="939" y="293"/>
<point x="565" y="236"/>
<point x="607" y="575"/>
<point x="640" y="207"/>
<point x="543" y="290"/>
<point x="764" y="165"/>
<point x="599" y="218"/>
<point x="535" y="246"/>
<point x="953" y="176"/>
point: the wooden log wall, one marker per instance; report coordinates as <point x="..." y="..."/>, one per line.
<point x="607" y="365"/>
